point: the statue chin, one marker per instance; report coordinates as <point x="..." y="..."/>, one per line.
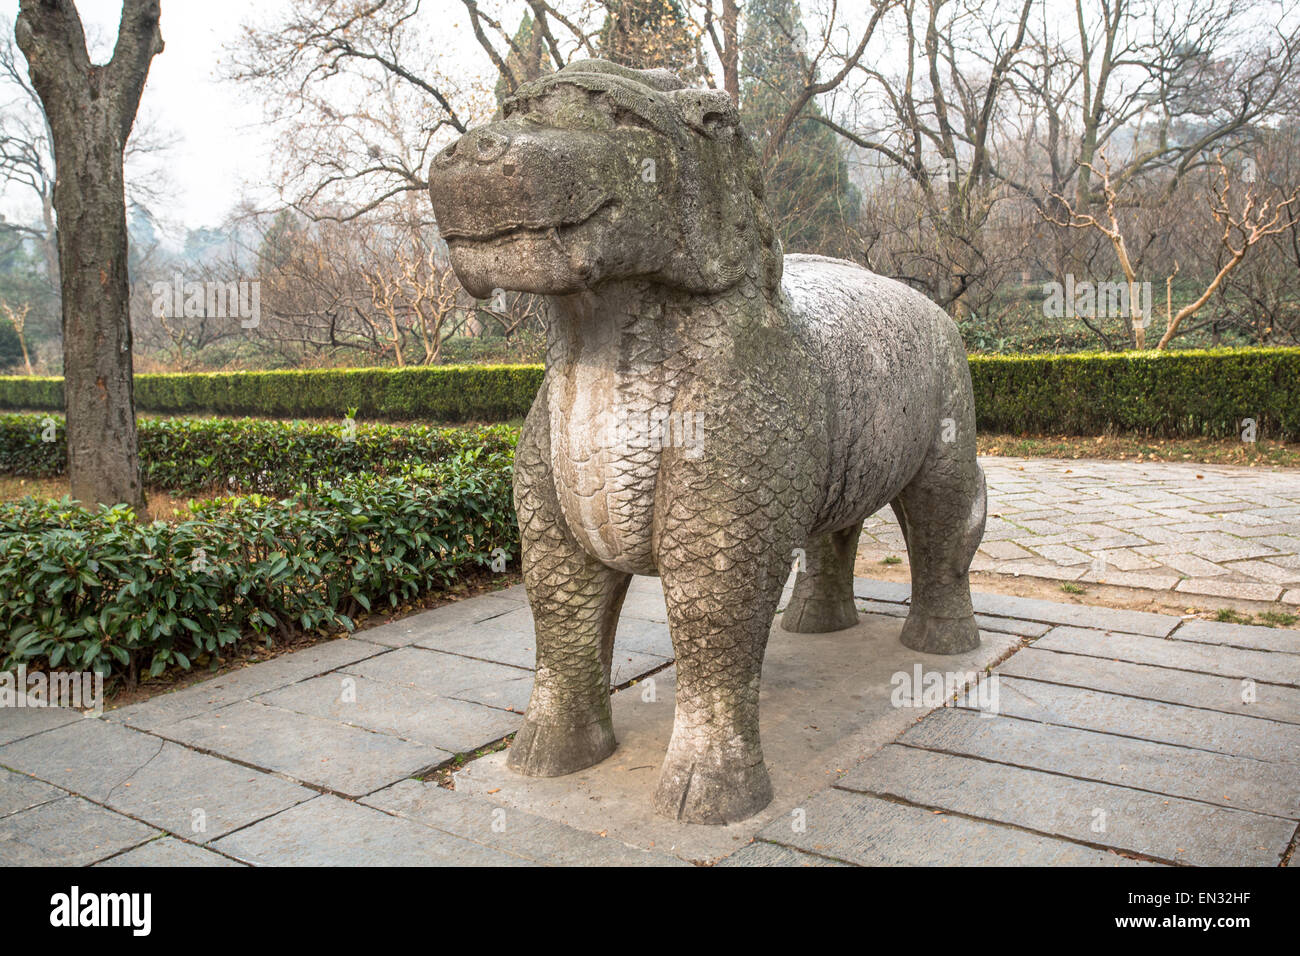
<point x="531" y="261"/>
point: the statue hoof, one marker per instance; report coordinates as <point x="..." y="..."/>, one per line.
<point x="940" y="635"/>
<point x="819" y="616"/>
<point x="555" y="748"/>
<point x="712" y="795"/>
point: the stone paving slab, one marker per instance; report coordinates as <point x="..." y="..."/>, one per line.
<point x="1145" y="681"/>
<point x="1229" y="781"/>
<point x="1246" y="591"/>
<point x="445" y="675"/>
<point x="1241" y="635"/>
<point x="19" y="722"/>
<point x="1184" y="655"/>
<point x="505" y="641"/>
<point x="322" y="753"/>
<point x="1080" y="615"/>
<point x="168" y="851"/>
<point x="67" y="832"/>
<point x="1150" y="720"/>
<point x="1030" y="617"/>
<point x="163" y="784"/>
<point x="866" y="831"/>
<point x="986" y="622"/>
<point x="398" y="710"/>
<point x="1011" y="625"/>
<point x="628" y="666"/>
<point x="646" y="604"/>
<point x="328" y="831"/>
<point x="244" y="683"/>
<point x="488" y="641"/>
<point x="873" y="590"/>
<point x="1165" y="828"/>
<point x="760" y="853"/>
<point x="425" y="626"/>
<point x="513" y="831"/>
<point x="20" y="792"/>
<point x="644" y="637"/>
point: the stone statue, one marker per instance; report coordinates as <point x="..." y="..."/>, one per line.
<point x="711" y="413"/>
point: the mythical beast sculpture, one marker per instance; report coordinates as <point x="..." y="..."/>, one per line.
<point x="709" y="406"/>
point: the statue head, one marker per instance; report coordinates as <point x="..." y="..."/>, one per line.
<point x="600" y="172"/>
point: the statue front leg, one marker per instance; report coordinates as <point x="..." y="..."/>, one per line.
<point x="713" y="771"/>
<point x="575" y="601"/>
<point x="723" y="557"/>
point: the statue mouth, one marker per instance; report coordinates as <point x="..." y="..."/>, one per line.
<point x="509" y="229"/>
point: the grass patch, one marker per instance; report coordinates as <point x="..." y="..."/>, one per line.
<point x="1229" y="615"/>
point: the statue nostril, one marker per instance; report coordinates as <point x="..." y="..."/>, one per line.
<point x="508" y="169"/>
<point x="489" y="146"/>
<point x="448" y="154"/>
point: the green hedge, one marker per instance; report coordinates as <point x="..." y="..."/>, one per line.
<point x="1167" y="395"/>
<point x="97" y="589"/>
<point x="1162" y="394"/>
<point x="270" y="457"/>
<point x="440" y="393"/>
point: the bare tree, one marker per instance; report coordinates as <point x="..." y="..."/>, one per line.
<point x="17" y="316"/>
<point x="363" y="95"/>
<point x="90" y="110"/>
<point x="1109" y="226"/>
<point x="937" y="123"/>
<point x="1159" y="88"/>
<point x="1256" y="220"/>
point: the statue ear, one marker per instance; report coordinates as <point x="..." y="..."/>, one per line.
<point x="706" y="111"/>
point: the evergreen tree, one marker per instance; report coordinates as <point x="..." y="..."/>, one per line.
<point x="279" y="242"/>
<point x="652" y="33"/>
<point x="813" y="201"/>
<point x="529" y="60"/>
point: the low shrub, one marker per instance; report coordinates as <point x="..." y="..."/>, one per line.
<point x="1160" y="394"/>
<point x="98" y="589"/>
<point x="269" y="457"/>
<point x="435" y="393"/>
<point x="1166" y="395"/>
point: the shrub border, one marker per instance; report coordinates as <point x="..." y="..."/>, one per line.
<point x="1161" y="394"/>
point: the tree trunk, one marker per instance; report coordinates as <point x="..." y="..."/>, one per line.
<point x="103" y="458"/>
<point x="90" y="110"/>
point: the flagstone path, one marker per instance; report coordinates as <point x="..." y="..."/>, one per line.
<point x="1117" y="738"/>
<point x="1207" y="530"/>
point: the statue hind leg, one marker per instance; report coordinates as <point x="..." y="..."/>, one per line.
<point x="823" y="589"/>
<point x="942" y="512"/>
